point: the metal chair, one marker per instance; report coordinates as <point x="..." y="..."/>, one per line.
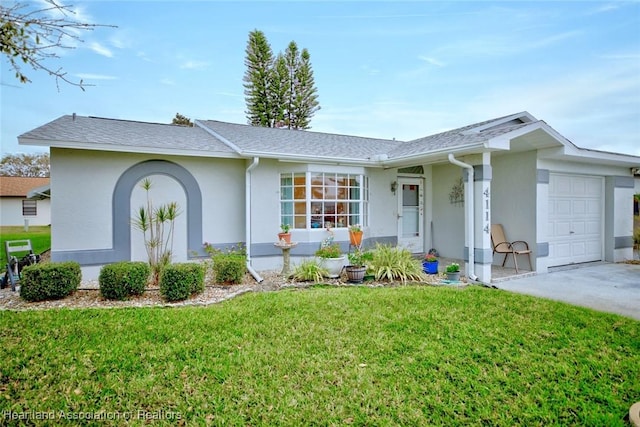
<point x="502" y="246"/>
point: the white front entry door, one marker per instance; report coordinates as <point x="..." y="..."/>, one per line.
<point x="411" y="214"/>
<point x="575" y="218"/>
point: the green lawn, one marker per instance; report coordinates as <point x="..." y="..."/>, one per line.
<point x="40" y="238"/>
<point x="327" y="356"/>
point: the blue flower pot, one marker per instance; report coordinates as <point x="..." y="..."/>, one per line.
<point x="430" y="267"/>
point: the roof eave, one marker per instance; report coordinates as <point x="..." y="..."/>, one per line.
<point x="297" y="158"/>
<point x="127" y="149"/>
<point x="435" y="156"/>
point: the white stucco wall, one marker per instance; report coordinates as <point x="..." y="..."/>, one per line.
<point x="11" y="212"/>
<point x="448" y="218"/>
<point x="83" y="183"/>
<point x="513" y="200"/>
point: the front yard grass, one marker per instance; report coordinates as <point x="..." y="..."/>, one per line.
<point x="40" y="237"/>
<point x="326" y="356"/>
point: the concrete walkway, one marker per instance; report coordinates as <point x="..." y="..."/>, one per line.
<point x="613" y="288"/>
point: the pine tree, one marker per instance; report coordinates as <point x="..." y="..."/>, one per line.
<point x="292" y="59"/>
<point x="181" y="120"/>
<point x="257" y="80"/>
<point x="278" y="92"/>
<point x="305" y="101"/>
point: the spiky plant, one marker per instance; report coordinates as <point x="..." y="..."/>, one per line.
<point x="157" y="226"/>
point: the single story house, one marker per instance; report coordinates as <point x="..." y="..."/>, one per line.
<point x="238" y="183"/>
<point x="24" y="201"/>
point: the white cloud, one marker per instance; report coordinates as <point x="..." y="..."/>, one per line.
<point x="431" y="61"/>
<point x="100" y="49"/>
<point x="89" y="76"/>
<point x="194" y="65"/>
<point x="168" y="82"/>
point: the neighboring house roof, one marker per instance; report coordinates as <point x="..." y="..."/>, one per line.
<point x="516" y="132"/>
<point x="18" y="186"/>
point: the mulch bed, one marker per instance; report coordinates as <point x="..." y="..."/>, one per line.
<point x="88" y="296"/>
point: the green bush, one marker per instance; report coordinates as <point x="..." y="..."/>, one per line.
<point x="179" y="281"/>
<point x="309" y="270"/>
<point x="229" y="268"/>
<point x="50" y="280"/>
<point x="122" y="280"/>
<point x="395" y="263"/>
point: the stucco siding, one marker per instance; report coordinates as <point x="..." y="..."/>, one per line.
<point x="83" y="206"/>
<point x="82" y="185"/>
<point x="513" y="201"/>
<point x="448" y="218"/>
<point x="11" y="212"/>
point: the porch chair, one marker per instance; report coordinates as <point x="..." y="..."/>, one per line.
<point x="502" y="246"/>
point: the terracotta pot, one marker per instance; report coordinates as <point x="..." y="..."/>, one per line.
<point x="284" y="236"/>
<point x="355" y="237"/>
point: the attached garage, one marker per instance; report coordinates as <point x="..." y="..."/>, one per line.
<point x="576" y="210"/>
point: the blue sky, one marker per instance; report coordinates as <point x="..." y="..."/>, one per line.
<point x="399" y="70"/>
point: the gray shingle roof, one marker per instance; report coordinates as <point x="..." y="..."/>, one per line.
<point x="456" y="138"/>
<point x="99" y="131"/>
<point x="221" y="138"/>
<point x="253" y="139"/>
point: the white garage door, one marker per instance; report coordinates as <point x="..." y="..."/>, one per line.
<point x="575" y="219"/>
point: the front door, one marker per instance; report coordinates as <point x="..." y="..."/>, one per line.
<point x="410" y="214"/>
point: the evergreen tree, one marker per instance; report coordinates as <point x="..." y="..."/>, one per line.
<point x="181" y="120"/>
<point x="305" y="101"/>
<point x="258" y="80"/>
<point x="292" y="60"/>
<point x="278" y="92"/>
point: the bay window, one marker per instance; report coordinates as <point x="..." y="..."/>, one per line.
<point x="310" y="200"/>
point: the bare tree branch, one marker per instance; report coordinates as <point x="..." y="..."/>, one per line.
<point x="30" y="37"/>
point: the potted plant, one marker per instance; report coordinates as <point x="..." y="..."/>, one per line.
<point x="355" y="235"/>
<point x="357" y="265"/>
<point x="453" y="272"/>
<point x="330" y="255"/>
<point x="430" y="264"/>
<point x="284" y="234"/>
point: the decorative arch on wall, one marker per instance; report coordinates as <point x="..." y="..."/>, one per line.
<point x="122" y="203"/>
<point x="121" y="211"/>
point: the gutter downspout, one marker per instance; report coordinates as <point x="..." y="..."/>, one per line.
<point x="469" y="204"/>
<point x="247" y="215"/>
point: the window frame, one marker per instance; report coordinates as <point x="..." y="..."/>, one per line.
<point x="28" y="206"/>
<point x="327" y="193"/>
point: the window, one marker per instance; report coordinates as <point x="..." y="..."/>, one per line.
<point x="29" y="208"/>
<point x="319" y="200"/>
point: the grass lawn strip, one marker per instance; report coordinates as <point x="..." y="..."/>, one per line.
<point x="40" y="237"/>
<point x="330" y="356"/>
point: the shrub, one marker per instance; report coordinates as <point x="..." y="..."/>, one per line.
<point x="309" y="270"/>
<point x="395" y="263"/>
<point x="122" y="280"/>
<point x="229" y="265"/>
<point x="229" y="268"/>
<point x="50" y="280"/>
<point x="179" y="281"/>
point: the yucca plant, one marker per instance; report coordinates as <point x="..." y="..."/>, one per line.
<point x="157" y="226"/>
<point x="395" y="263"/>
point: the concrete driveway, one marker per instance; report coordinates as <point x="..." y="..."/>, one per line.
<point x="613" y="288"/>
